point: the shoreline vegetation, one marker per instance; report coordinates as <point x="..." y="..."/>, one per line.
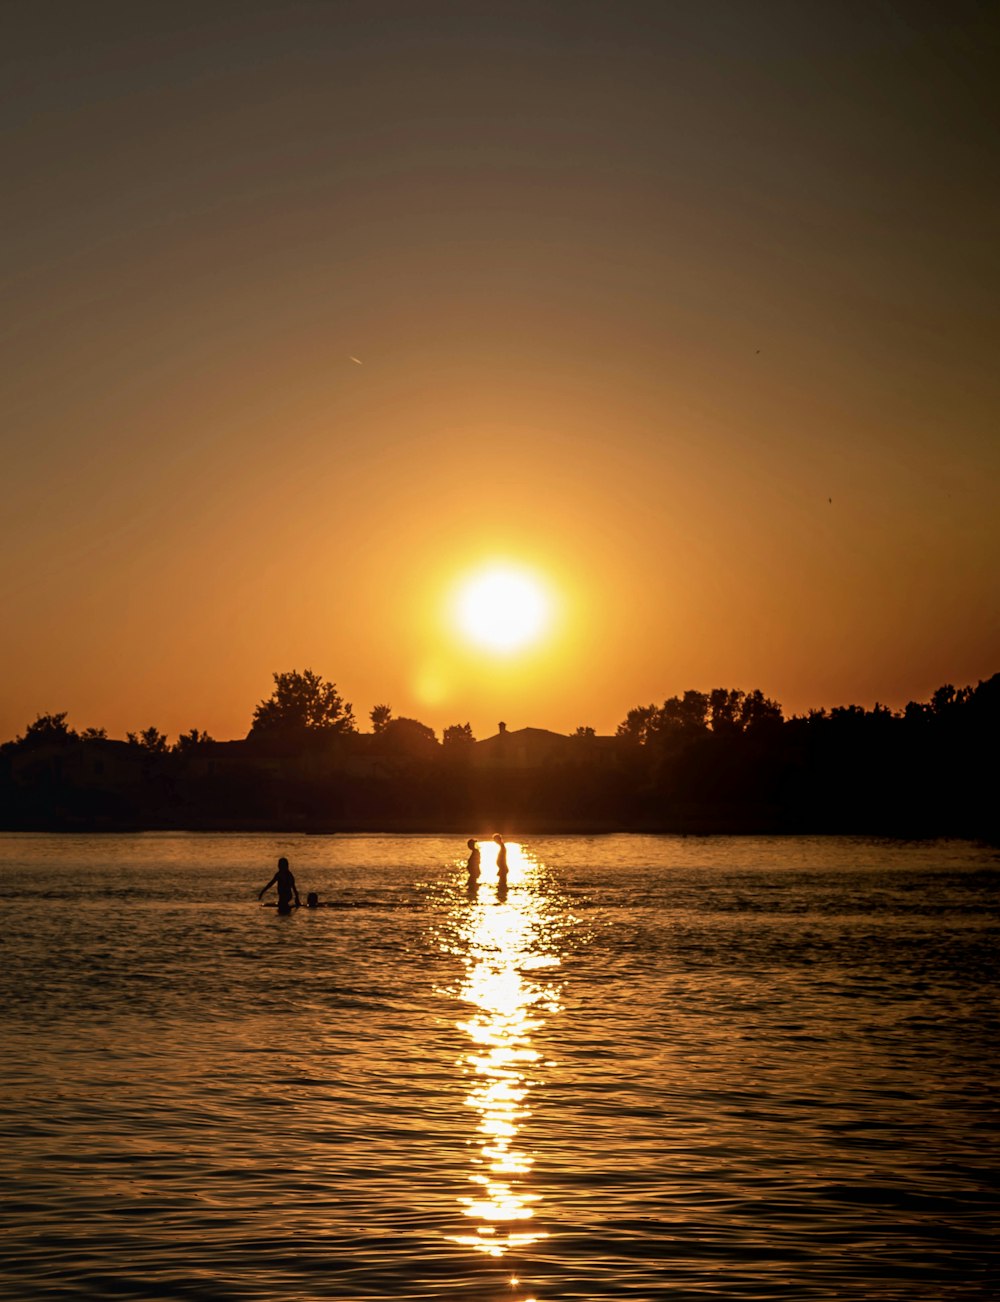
<point x="724" y="761"/>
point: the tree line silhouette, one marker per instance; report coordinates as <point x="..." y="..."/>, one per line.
<point x="718" y="761"/>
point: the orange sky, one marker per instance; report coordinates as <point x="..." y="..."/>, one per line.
<point x="636" y="289"/>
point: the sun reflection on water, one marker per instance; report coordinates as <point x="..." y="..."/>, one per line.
<point x="505" y="948"/>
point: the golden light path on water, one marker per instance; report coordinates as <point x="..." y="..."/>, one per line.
<point x="504" y="946"/>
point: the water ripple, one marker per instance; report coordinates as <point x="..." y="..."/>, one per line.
<point x="660" y="1067"/>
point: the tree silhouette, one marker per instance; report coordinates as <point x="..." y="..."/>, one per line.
<point x="48" y="728"/>
<point x="636" y="725"/>
<point x="681" y="717"/>
<point x="757" y="712"/>
<point x="458" y="734"/>
<point x="191" y="741"/>
<point x="408" y="737"/>
<point x="380" y="716"/>
<point x="726" y="760"/>
<point x="724" y="706"/>
<point x="302" y="703"/>
<point x="150" y="739"/>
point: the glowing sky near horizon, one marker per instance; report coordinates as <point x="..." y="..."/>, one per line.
<point x="312" y="308"/>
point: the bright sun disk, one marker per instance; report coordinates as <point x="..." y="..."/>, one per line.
<point x="502" y="608"/>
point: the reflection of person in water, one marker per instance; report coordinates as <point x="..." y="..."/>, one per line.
<point x="286" y="887"/>
<point x="473" y="865"/>
<point x="501" y="864"/>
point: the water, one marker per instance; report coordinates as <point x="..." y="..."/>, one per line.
<point x="743" y="1068"/>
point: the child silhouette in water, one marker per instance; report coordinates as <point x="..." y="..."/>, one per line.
<point x="286" y="887"/>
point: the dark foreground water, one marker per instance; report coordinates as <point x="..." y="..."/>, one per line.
<point x="663" y="1068"/>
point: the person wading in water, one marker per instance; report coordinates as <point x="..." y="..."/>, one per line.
<point x="472" y="883"/>
<point x="286" y="887"/>
<point x="501" y="866"/>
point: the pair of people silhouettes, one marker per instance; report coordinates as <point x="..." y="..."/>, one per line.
<point x="472" y="882"/>
<point x="285" y="883"/>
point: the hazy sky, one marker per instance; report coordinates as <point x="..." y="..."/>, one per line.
<point x="634" y="289"/>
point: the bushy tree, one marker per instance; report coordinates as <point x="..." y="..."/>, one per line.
<point x="681" y="719"/>
<point x="585" y="730"/>
<point x="94" y="734"/>
<point x="946" y="700"/>
<point x="380" y="715"/>
<point x="458" y="734"/>
<point x="637" y="724"/>
<point x="150" y="739"/>
<point x="408" y="737"/>
<point x="682" y="716"/>
<point x="48" y="728"/>
<point x="724" y="707"/>
<point x="191" y="741"/>
<point x="302" y="703"/>
<point x="758" y="712"/>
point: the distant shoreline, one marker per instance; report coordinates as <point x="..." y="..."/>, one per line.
<point x="725" y="763"/>
<point x="516" y="827"/>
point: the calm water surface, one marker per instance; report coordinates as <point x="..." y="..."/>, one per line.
<point x="743" y="1068"/>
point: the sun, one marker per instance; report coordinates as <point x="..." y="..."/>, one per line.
<point x="502" y="608"/>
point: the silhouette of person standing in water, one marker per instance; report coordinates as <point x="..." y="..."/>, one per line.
<point x="286" y="887"/>
<point x="473" y="866"/>
<point x="501" y="866"/>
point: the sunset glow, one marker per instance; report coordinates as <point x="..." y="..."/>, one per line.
<point x="501" y="588"/>
<point x="710" y="403"/>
